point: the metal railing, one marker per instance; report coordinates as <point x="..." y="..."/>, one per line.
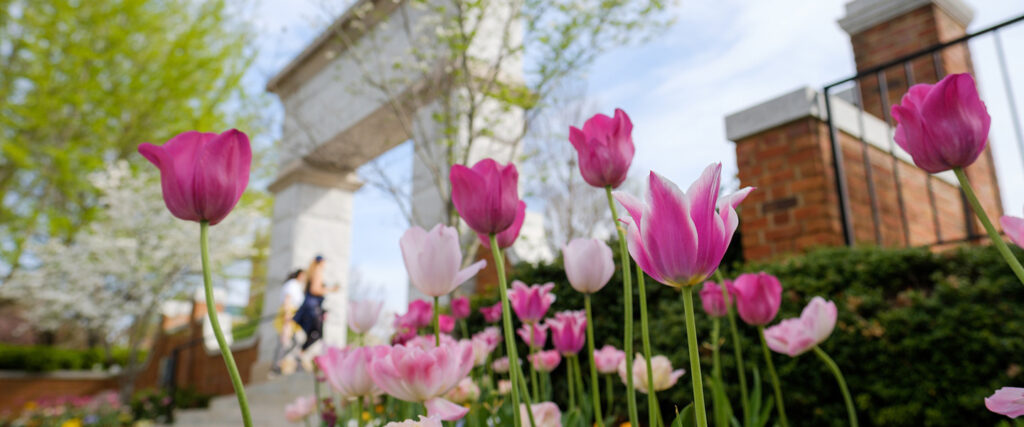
<point x="879" y="72"/>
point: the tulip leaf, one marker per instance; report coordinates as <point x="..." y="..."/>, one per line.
<point x="685" y="418"/>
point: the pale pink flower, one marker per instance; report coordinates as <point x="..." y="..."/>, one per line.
<point x="500" y="365"/>
<point x="1007" y="401"/>
<point x="346" y="370"/>
<point x="300" y="408"/>
<point x="484" y="343"/>
<point x="608" y="358"/>
<point x="588" y="264"/>
<point x="433" y="259"/>
<point x="664" y="376"/>
<point x="546" y="361"/>
<point x="422" y="422"/>
<point x="466" y="391"/>
<point x="424" y="375"/>
<point x="362" y="315"/>
<point x="545" y="414"/>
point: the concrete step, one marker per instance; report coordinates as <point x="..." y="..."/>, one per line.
<point x="266" y="404"/>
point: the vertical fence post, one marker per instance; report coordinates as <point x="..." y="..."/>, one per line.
<point x="876" y="219"/>
<point x="883" y="93"/>
<point x="840" y="173"/>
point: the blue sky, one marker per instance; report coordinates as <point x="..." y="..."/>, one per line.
<point x="720" y="57"/>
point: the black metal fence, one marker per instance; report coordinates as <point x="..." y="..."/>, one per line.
<point x="881" y="75"/>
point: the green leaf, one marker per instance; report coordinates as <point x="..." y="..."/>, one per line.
<point x="686" y="417"/>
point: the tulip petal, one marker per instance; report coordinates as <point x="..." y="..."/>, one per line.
<point x="465" y="274"/>
<point x="1014" y="228"/>
<point x="222" y="172"/>
<point x="667" y="230"/>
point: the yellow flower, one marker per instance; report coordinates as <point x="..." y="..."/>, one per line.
<point x="30" y="405"/>
<point x="74" y="422"/>
<point x="366" y="416"/>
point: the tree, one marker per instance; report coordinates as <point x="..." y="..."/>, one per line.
<point x="113" y="275"/>
<point x="82" y="83"/>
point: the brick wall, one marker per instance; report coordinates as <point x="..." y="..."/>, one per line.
<point x="17" y="388"/>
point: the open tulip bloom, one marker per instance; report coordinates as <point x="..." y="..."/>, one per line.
<point x="424" y="375"/>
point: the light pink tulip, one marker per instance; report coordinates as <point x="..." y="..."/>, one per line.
<point x="943" y="126"/>
<point x="300" y="408"/>
<point x="345" y="369"/>
<point x="664" y="376"/>
<point x="534" y="334"/>
<point x="546" y="361"/>
<point x="418" y="375"/>
<point x="711" y="298"/>
<point x="362" y="315"/>
<point x="798" y="335"/>
<point x="568" y="331"/>
<point x="1007" y="401"/>
<point x="1014" y="229"/>
<point x="545" y="414"/>
<point x="508" y="237"/>
<point x="426" y="342"/>
<point x="433" y="260"/>
<point x="531" y="302"/>
<point x="460" y="308"/>
<point x="422" y="422"/>
<point x="608" y="358"/>
<point x="504" y="387"/>
<point x="605" y="149"/>
<point x="588" y="264"/>
<point x="680" y="238"/>
<point x="484" y="343"/>
<point x="486" y="195"/>
<point x="491" y="314"/>
<point x="466" y="391"/>
<point x="500" y="365"/>
<point x="758" y="297"/>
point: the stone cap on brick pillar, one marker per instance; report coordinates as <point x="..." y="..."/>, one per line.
<point x="864" y="14"/>
<point x="807" y="102"/>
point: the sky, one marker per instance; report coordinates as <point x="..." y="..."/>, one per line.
<point x="720" y="57"/>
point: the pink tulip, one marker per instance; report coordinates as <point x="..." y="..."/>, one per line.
<point x="426" y="342"/>
<point x="486" y="195"/>
<point x="534" y="334"/>
<point x="1007" y="401"/>
<point x="664" y="376"/>
<point x="433" y="260"/>
<point x="202" y="174"/>
<point x="446" y="323"/>
<point x="545" y="414"/>
<point x="796" y="336"/>
<point x="605" y="149"/>
<point x="484" y="343"/>
<point x="418" y="375"/>
<point x="419" y="314"/>
<point x="568" y="331"/>
<point x="491" y="314"/>
<point x="608" y="358"/>
<point x="422" y="422"/>
<point x="508" y="237"/>
<point x="711" y="298"/>
<point x="300" y="408"/>
<point x="466" y="391"/>
<point x="546" y="361"/>
<point x="346" y="370"/>
<point x="680" y="238"/>
<point x="1014" y="229"/>
<point x="460" y="307"/>
<point x="504" y="387"/>
<point x="362" y="315"/>
<point x="531" y="302"/>
<point x="588" y="264"/>
<point x="500" y="365"/>
<point x="943" y="126"/>
<point x="758" y="297"/>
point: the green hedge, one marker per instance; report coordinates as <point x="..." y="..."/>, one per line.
<point x="43" y="359"/>
<point x="921" y="337"/>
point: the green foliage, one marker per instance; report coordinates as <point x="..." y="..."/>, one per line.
<point x="44" y="359"/>
<point x="155" y="404"/>
<point x="922" y="337"/>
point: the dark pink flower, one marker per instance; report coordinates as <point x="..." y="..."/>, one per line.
<point x="460" y="307"/>
<point x="758" y="297"/>
<point x="531" y="302"/>
<point x="508" y="237"/>
<point x="711" y="298"/>
<point x="605" y="149"/>
<point x="446" y="323"/>
<point x="491" y="314"/>
<point x="568" y="331"/>
<point x="486" y="195"/>
<point x="534" y="334"/>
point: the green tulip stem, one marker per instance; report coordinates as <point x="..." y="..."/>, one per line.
<point x="627" y="293"/>
<point x="691" y="338"/>
<point x="594" y="386"/>
<point x="741" y="372"/>
<point x="359" y="412"/>
<point x="437" y="323"/>
<point x="775" y="378"/>
<point x="850" y="409"/>
<point x="608" y="395"/>
<point x="510" y="343"/>
<point x="997" y="240"/>
<point x="652" y="396"/>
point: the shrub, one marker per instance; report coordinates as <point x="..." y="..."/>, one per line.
<point x="44" y="359"/>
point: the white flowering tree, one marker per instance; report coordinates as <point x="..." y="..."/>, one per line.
<point x="113" y="275"/>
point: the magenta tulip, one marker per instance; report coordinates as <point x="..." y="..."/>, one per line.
<point x="508" y="237"/>
<point x="1014" y="229"/>
<point x="711" y="298"/>
<point x="605" y="149"/>
<point x="362" y="315"/>
<point x="758" y="297"/>
<point x="446" y="323"/>
<point x="537" y="337"/>
<point x="568" y="331"/>
<point x="419" y="314"/>
<point x="346" y="370"/>
<point x="433" y="260"/>
<point x="680" y="238"/>
<point x="531" y="302"/>
<point x="1007" y="401"/>
<point x="486" y="195"/>
<point x="546" y="361"/>
<point x="424" y="375"/>
<point x="797" y="335"/>
<point x="608" y="358"/>
<point x="943" y="126"/>
<point x="460" y="308"/>
<point x="203" y="175"/>
<point x="588" y="264"/>
<point x="491" y="314"/>
<point x="545" y="414"/>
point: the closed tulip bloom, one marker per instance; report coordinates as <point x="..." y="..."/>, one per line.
<point x="203" y="175"/>
<point x="346" y="370"/>
<point x="531" y="302"/>
<point x="433" y="260"/>
<point x="484" y="343"/>
<point x="362" y="315"/>
<point x="508" y="237"/>
<point x="460" y="307"/>
<point x="588" y="264"/>
<point x="943" y="126"/>
<point x="1014" y="228"/>
<point x="466" y="391"/>
<point x="491" y="314"/>
<point x="500" y="365"/>
<point x="545" y="414"/>
<point x="419" y="314"/>
<point x="424" y="375"/>
<point x="422" y="422"/>
<point x="504" y="387"/>
<point x="539" y="336"/>
<point x="300" y="408"/>
<point x="546" y="361"/>
<point x="605" y="149"/>
<point x="568" y="331"/>
<point x="486" y="195"/>
<point x="711" y="298"/>
<point x="446" y="323"/>
<point x="608" y="358"/>
<point x="1007" y="401"/>
<point x="664" y="376"/>
<point x="680" y="238"/>
<point x="758" y="297"/>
